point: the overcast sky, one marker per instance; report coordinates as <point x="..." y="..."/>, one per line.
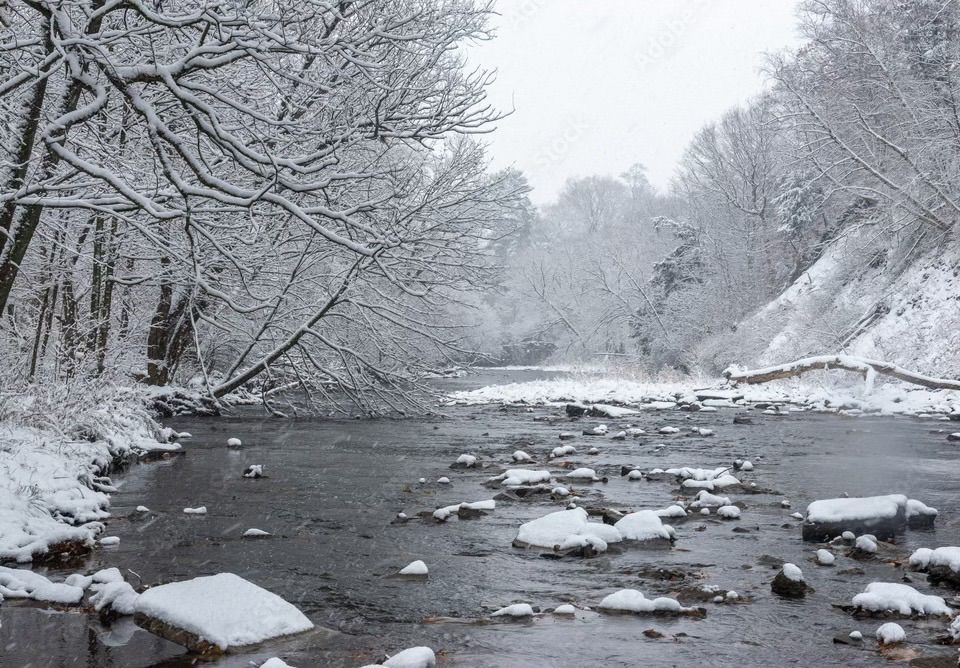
<point x="598" y="85"/>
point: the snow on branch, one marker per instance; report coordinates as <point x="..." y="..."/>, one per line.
<point x="869" y="368"/>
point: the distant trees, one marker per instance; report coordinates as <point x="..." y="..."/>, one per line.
<point x="860" y="130"/>
<point x="278" y="189"/>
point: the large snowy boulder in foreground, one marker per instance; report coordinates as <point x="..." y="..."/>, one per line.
<point x="210" y="615"/>
<point x="882" y="516"/>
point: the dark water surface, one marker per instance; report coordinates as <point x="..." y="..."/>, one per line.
<point x="335" y="485"/>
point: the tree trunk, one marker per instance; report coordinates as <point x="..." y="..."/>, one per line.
<point x="867" y="367"/>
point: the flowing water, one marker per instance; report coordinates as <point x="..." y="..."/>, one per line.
<point x="335" y="485"/>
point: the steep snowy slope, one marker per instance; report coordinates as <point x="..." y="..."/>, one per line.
<point x="867" y="295"/>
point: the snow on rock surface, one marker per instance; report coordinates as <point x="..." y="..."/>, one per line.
<point x="583" y="474"/>
<point x="415" y="568"/>
<point x="414" y="657"/>
<point x="466" y="460"/>
<point x="22" y="583"/>
<point x="705" y="499"/>
<point x="117" y="596"/>
<point x="566" y="529"/>
<point x="948" y="557"/>
<point x="633" y="601"/>
<point x="890" y="633"/>
<point x="520" y="456"/>
<point x="865" y="508"/>
<point x="866" y="544"/>
<point x="199" y="510"/>
<point x="255" y="533"/>
<point x="234" y="442"/>
<point x="825" y="557"/>
<point x="565" y="609"/>
<point x="518" y="477"/>
<point x="644" y="525"/>
<point x="792" y="572"/>
<point x="899" y="598"/>
<point x="221" y="610"/>
<point x="883" y="515"/>
<point x="515" y="610"/>
<point x="729" y="512"/>
<point x="920" y="515"/>
<point x="275" y="662"/>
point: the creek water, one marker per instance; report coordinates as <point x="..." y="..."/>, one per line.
<point x="334" y="485"/>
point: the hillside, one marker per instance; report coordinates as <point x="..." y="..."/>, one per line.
<point x="867" y="295"/>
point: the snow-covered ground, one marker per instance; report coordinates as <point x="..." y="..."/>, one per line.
<point x="872" y="293"/>
<point x="55" y="446"/>
<point x="817" y="391"/>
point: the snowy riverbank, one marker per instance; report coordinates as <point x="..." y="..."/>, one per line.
<point x="58" y="444"/>
<point x="807" y="394"/>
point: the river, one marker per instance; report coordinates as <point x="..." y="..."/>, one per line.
<point x="334" y="485"/>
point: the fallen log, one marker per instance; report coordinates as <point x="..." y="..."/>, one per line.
<point x="867" y="367"/>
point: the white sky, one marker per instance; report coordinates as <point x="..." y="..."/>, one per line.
<point x="598" y="85"/>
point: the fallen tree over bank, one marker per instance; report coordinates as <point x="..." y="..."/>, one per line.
<point x="867" y="367"/>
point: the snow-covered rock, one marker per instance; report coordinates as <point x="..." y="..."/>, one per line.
<point x="256" y="533"/>
<point x="107" y="541"/>
<point x="941" y="564"/>
<point x="566" y="530"/>
<point x="565" y="609"/>
<point x="729" y="512"/>
<point x="920" y="515"/>
<point x="825" y="557"/>
<point x="562" y="451"/>
<point x="253" y="471"/>
<point x="583" y="473"/>
<point x="519" y="477"/>
<point x="275" y="662"/>
<point x="866" y="544"/>
<point x="633" y="601"/>
<point x="890" y="633"/>
<point x="635" y="474"/>
<point x="520" y="457"/>
<point x="234" y="442"/>
<point x="674" y="511"/>
<point x="22" y="583"/>
<point x="515" y="610"/>
<point x="215" y="613"/>
<point x="414" y="657"/>
<point x="465" y="510"/>
<point x="705" y="499"/>
<point x="884" y="516"/>
<point x="644" y="526"/>
<point x="466" y="461"/>
<point x="119" y="597"/>
<point x="443" y="480"/>
<point x="899" y="598"/>
<point x="417" y="568"/>
<point x="199" y="510"/>
<point x="789" y="582"/>
<point x="668" y="430"/>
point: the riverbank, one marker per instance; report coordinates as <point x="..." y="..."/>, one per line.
<point x="59" y="444"/>
<point x="819" y="394"/>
